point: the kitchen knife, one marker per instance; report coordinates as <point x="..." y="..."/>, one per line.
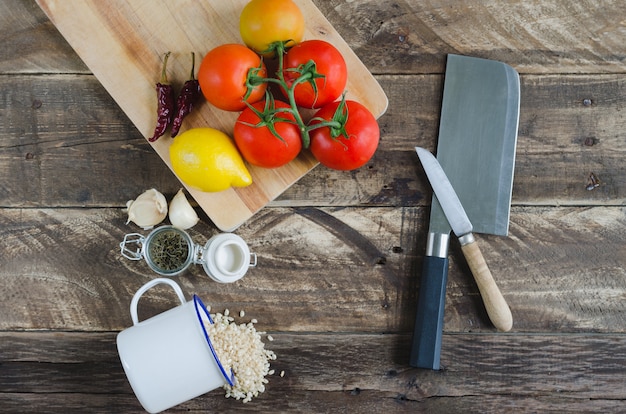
<point x="496" y="306"/>
<point x="476" y="149"/>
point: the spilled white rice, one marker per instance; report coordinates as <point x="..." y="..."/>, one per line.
<point x="239" y="346"/>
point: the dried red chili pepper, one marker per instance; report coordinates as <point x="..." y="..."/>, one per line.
<point x="166" y="103"/>
<point x="189" y="95"/>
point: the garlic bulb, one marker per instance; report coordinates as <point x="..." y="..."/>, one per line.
<point x="181" y="214"/>
<point x="148" y="209"/>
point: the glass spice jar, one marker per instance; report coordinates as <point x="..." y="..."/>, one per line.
<point x="169" y="251"/>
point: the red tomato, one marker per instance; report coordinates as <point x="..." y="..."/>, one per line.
<point x="328" y="62"/>
<point x="258" y="145"/>
<point x="349" y="151"/>
<point x="223" y="76"/>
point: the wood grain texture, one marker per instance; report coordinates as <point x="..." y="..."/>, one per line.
<point x="339" y="253"/>
<point x="535" y="36"/>
<point x="340" y="373"/>
<point x="322" y="269"/>
<point x="122" y="43"/>
<point x="31" y="43"/>
<point x="47" y="126"/>
<point x="495" y="304"/>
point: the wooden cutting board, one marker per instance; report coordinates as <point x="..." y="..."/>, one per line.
<point x="123" y="42"/>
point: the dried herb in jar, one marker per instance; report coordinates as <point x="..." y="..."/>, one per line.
<point x="169" y="250"/>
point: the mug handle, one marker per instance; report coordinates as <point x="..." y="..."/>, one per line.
<point x="144" y="288"/>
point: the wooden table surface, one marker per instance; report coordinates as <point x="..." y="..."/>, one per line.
<point x="339" y="253"/>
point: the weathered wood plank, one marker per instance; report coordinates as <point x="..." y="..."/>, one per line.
<point x="50" y="126"/>
<point x="534" y="36"/>
<point x="31" y="43"/>
<point x="569" y="128"/>
<point x="297" y="401"/>
<point x="321" y="269"/>
<point x="50" y="281"/>
<point x="400" y="37"/>
<point x="339" y="253"/>
<point x="339" y="373"/>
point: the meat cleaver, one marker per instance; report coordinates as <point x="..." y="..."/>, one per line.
<point x="476" y="149"/>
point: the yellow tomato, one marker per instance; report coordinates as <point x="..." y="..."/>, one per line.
<point x="263" y="22"/>
<point x="208" y="160"/>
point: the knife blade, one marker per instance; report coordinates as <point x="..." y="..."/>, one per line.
<point x="476" y="149"/>
<point x="449" y="201"/>
<point x="497" y="308"/>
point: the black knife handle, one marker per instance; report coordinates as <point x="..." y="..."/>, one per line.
<point x="426" y="347"/>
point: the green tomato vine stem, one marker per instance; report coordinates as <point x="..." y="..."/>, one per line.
<point x="307" y="73"/>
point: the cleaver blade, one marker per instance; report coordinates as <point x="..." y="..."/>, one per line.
<point x="476" y="149"/>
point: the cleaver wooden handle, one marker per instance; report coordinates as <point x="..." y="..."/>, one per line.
<point x="496" y="306"/>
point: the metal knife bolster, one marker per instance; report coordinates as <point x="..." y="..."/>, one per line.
<point x="466" y="239"/>
<point x="437" y="244"/>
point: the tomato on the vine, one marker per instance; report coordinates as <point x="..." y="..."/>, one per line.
<point x="352" y="143"/>
<point x="255" y="138"/>
<point x="330" y="66"/>
<point x="224" y="77"/>
<point x="263" y="22"/>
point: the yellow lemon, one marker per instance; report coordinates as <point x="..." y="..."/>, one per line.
<point x="207" y="159"/>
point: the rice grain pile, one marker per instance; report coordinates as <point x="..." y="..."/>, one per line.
<point x="239" y="346"/>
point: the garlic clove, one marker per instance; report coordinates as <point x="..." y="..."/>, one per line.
<point x="148" y="209"/>
<point x="182" y="215"/>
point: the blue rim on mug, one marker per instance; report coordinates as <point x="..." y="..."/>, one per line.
<point x="200" y="305"/>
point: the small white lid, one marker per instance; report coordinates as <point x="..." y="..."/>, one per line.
<point x="226" y="258"/>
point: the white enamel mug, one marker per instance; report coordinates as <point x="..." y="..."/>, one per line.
<point x="169" y="358"/>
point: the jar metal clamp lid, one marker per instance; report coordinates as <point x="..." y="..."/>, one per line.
<point x="169" y="251"/>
